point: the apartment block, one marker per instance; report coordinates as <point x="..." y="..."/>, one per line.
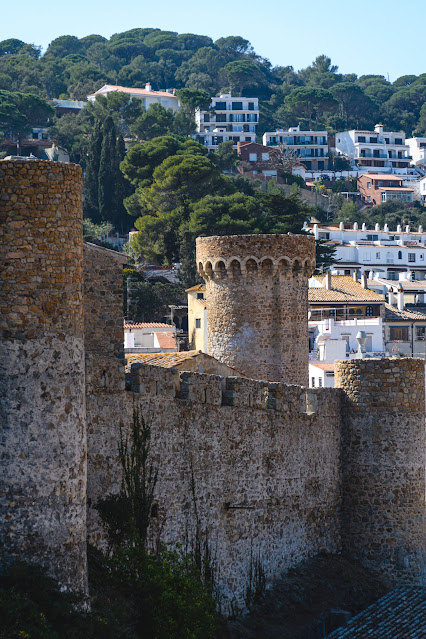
<point x="310" y="146"/>
<point x="417" y="148"/>
<point x="229" y="118"/>
<point x="386" y="150"/>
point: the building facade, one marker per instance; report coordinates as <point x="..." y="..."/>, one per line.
<point x="167" y="99"/>
<point x="228" y="119"/>
<point x="417" y="148"/>
<point x="378" y="188"/>
<point x="371" y="150"/>
<point x="311" y="147"/>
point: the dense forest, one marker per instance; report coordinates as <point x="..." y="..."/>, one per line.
<point x="73" y="68"/>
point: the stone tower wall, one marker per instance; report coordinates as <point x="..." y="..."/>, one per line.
<point x="42" y="405"/>
<point x="383" y="465"/>
<point x="257" y="304"/>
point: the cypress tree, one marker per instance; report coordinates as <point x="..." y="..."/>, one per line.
<point x="107" y="177"/>
<point x="123" y="189"/>
<point x="91" y="200"/>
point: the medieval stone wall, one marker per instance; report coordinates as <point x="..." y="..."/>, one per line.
<point x="103" y="301"/>
<point x="383" y="465"/>
<point x="42" y="398"/>
<point x="257" y="305"/>
<point x="252" y="467"/>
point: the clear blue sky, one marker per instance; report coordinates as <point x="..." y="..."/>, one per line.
<point x="380" y="36"/>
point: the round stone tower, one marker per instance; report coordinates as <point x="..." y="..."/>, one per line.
<point x="383" y="465"/>
<point x="42" y="399"/>
<point x="257" y="303"/>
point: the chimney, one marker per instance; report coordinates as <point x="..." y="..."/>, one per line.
<point x="316" y="232"/>
<point x="364" y="226"/>
<point x="399" y="229"/>
<point x="355" y="276"/>
<point x="420" y="229"/>
<point x="364" y="280"/>
<point x="386" y="228"/>
<point x="400" y="297"/>
<point x="407" y="229"/>
<point x="148" y="86"/>
<point x="355" y="226"/>
<point x="327" y="281"/>
<point x="377" y="227"/>
<point x="391" y="296"/>
<point x="379" y="129"/>
<point x="341" y="226"/>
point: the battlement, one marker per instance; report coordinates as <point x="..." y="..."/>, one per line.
<point x="151" y="381"/>
<point x="248" y="256"/>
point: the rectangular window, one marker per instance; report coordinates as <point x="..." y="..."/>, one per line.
<point x="220" y="117"/>
<point x="361" y="138"/>
<point x="422" y="257"/>
<point x="251" y="106"/>
<point x="373" y="237"/>
<point x="220" y="106"/>
<point x="198" y="323"/>
<point x="207" y="117"/>
<point x="237" y="106"/>
<point x="313" y="382"/>
<point x="368" y="185"/>
<point x="373" y="140"/>
<point x="377" y="256"/>
<point x="420" y="333"/>
<point x="369" y="198"/>
<point x="252" y="157"/>
<point x="411" y="257"/>
<point x="320" y="382"/>
<point x="398" y="141"/>
<point x="265" y="157"/>
<point x="347" y="339"/>
<point x="200" y="296"/>
<point x="398" y="333"/>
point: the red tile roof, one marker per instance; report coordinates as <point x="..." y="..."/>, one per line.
<point x="147" y="325"/>
<point x="166" y="340"/>
<point x="324" y="366"/>
<point x="136" y="90"/>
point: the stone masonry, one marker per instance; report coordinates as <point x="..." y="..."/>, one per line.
<point x="42" y="398"/>
<point x="383" y="465"/>
<point x="257" y="305"/>
<point x="260" y="471"/>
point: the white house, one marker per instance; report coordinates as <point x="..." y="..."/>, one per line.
<point x="391" y="254"/>
<point x="417" y="148"/>
<point x="310" y="146"/>
<point x="166" y="98"/>
<point x="228" y="119"/>
<point x="149" y="337"/>
<point x="321" y="375"/>
<point x="371" y="150"/>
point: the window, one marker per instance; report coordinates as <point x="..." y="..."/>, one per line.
<point x="247" y="139"/>
<point x="398" y="140"/>
<point x="369" y="311"/>
<point x="323" y="235"/>
<point x="313" y="382"/>
<point x="252" y="157"/>
<point x="265" y="157"/>
<point x="373" y="140"/>
<point x="422" y="257"/>
<point x="361" y="138"/>
<point x="320" y="382"/>
<point x="237" y="106"/>
<point x="420" y="333"/>
<point x="400" y="255"/>
<point x="220" y="106"/>
<point x="378" y="256"/>
<point x="369" y="198"/>
<point x="372" y="237"/>
<point x="207" y="117"/>
<point x="220" y="117"/>
<point x="387" y="140"/>
<point x="411" y="257"/>
<point x="368" y="185"/>
<point x="347" y="338"/>
<point x="369" y="343"/>
<point x="198" y="322"/>
<point x="200" y="296"/>
<point x="251" y="106"/>
<point x="398" y="333"/>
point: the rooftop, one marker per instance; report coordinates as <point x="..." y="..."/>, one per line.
<point x="198" y="288"/>
<point x="398" y="615"/>
<point x="166" y="340"/>
<point x="129" y="325"/>
<point x="343" y="289"/>
<point x="323" y="366"/>
<point x="393" y="314"/>
<point x="166" y="360"/>
<point x="108" y="88"/>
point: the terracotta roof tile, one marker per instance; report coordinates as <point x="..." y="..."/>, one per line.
<point x="166" y="360"/>
<point x="198" y="287"/>
<point x="166" y="340"/>
<point x="343" y="289"/>
<point x="325" y="366"/>
<point x="147" y="325"/>
<point x="393" y="314"/>
<point x="136" y="90"/>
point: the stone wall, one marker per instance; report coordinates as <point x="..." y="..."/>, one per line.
<point x="256" y="294"/>
<point x="383" y="465"/>
<point x="103" y="301"/>
<point x="253" y="466"/>
<point x="42" y="399"/>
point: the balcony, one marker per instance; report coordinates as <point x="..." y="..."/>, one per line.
<point x="371" y="156"/>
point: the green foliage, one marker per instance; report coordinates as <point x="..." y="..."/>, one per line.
<point x="19" y="112"/>
<point x="150" y="300"/>
<point x="325" y="256"/>
<point x="93" y="232"/>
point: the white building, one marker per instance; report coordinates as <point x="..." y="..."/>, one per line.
<point x="310" y="146"/>
<point x="371" y="150"/>
<point x="149" y="337"/>
<point x="228" y="118"/>
<point x="166" y="98"/>
<point x="391" y="254"/>
<point x="417" y="148"/>
<point x="321" y="375"/>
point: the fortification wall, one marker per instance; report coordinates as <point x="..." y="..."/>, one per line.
<point x="249" y="466"/>
<point x="42" y="399"/>
<point x="257" y="305"/>
<point x="103" y="301"/>
<point x="383" y="465"/>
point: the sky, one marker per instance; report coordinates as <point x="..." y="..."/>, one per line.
<point x="375" y="37"/>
